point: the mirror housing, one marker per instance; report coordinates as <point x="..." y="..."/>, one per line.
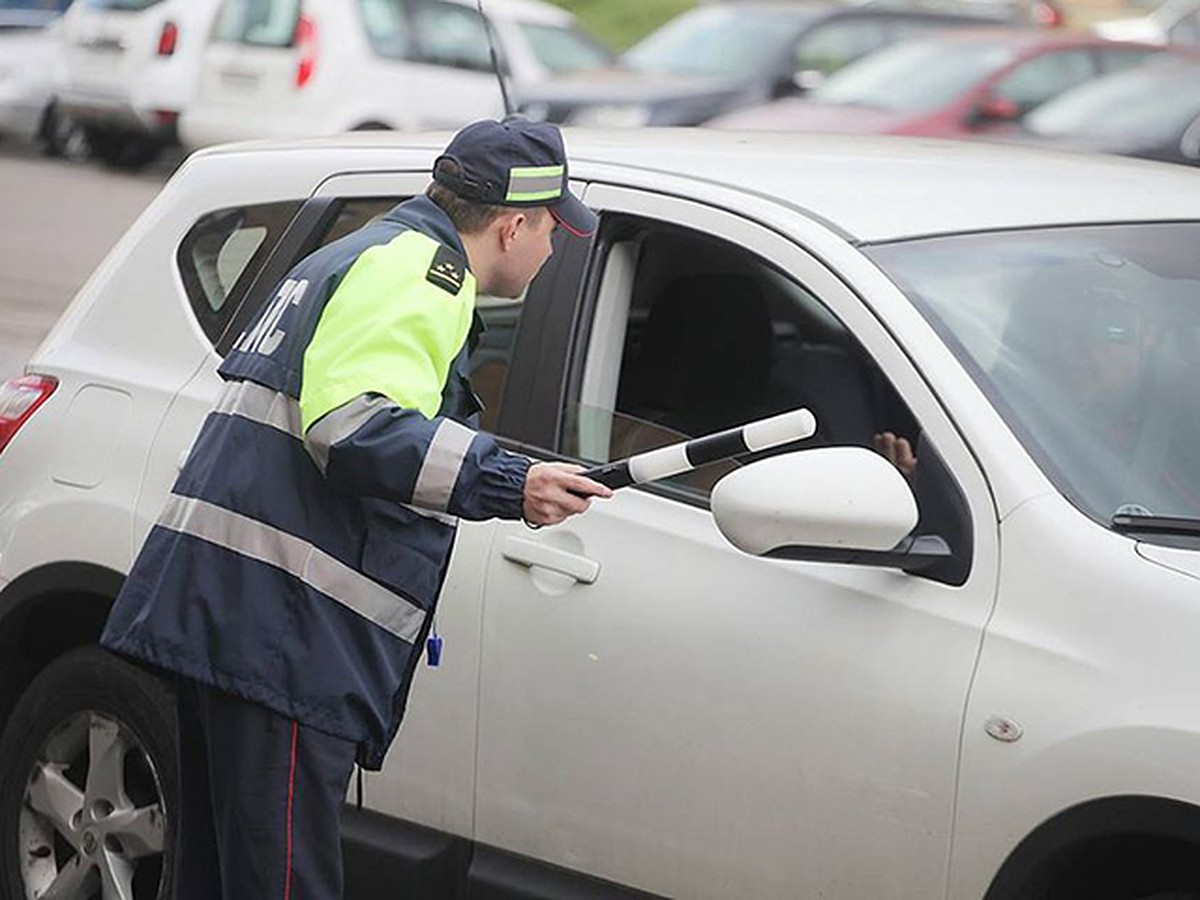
<point x="997" y="109"/>
<point x="831" y="504"/>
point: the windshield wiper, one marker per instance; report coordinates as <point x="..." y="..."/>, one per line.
<point x="1174" y="525"/>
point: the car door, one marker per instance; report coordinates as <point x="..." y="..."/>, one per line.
<point x="660" y="710"/>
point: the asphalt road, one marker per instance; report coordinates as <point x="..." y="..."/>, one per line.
<point x="57" y="221"/>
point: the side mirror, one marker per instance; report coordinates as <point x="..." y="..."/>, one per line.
<point x="997" y="109"/>
<point x="802" y="81"/>
<point x="832" y="504"/>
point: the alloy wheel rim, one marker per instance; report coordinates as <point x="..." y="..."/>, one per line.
<point x="92" y="822"/>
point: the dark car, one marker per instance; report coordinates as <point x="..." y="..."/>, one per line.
<point x="721" y="57"/>
<point x="1152" y="112"/>
<point x="947" y="85"/>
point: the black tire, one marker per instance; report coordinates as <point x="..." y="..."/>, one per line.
<point x="122" y="151"/>
<point x="62" y="136"/>
<point x="90" y="824"/>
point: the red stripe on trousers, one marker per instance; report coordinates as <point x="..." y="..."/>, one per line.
<point x="287" y="882"/>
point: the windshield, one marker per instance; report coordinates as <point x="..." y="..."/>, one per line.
<point x="1153" y="103"/>
<point x="563" y="50"/>
<point x="913" y="77"/>
<point x="1088" y="342"/>
<point x="718" y="40"/>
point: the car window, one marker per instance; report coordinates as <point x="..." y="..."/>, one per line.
<point x="39" y="5"/>
<point x="1087" y="341"/>
<point x="449" y="34"/>
<point x="1116" y="59"/>
<point x="387" y="28"/>
<point x="122" y="5"/>
<point x="562" y="50"/>
<point x="714" y="338"/>
<point x="721" y="41"/>
<point x="914" y="77"/>
<point x="267" y="23"/>
<point x="1034" y="82"/>
<point x="834" y="44"/>
<point x="220" y="255"/>
<point x="489" y="361"/>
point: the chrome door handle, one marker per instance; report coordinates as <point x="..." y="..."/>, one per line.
<point x="525" y="552"/>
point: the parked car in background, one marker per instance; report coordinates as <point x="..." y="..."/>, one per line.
<point x="1152" y="112"/>
<point x="28" y="46"/>
<point x="1047" y="13"/>
<point x="951" y="85"/>
<point x="975" y="682"/>
<point x="720" y="57"/>
<point x="294" y="68"/>
<point x="1174" y="22"/>
<point x="128" y="68"/>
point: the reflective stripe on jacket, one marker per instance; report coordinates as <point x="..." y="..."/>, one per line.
<point x="299" y="557"/>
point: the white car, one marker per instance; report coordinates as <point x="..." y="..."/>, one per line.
<point x="1173" y="22"/>
<point x="298" y="68"/>
<point x="1000" y="704"/>
<point x="128" y="67"/>
<point x="28" y="46"/>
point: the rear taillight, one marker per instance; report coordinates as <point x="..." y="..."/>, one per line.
<point x="1047" y="15"/>
<point x="306" y="43"/>
<point x="168" y="39"/>
<point x="19" y="399"/>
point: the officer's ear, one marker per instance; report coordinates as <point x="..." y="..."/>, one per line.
<point x="510" y="225"/>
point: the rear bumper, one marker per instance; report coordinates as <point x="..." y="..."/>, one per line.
<point x="110" y="113"/>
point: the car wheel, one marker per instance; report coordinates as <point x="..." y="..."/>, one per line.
<point x="87" y="780"/>
<point x="63" y="136"/>
<point x="122" y="151"/>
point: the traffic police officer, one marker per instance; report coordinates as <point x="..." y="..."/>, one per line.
<point x="292" y="577"/>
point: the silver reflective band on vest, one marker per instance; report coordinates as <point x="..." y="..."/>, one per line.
<point x="262" y="405"/>
<point x="443" y="462"/>
<point x="277" y="410"/>
<point x="341" y="423"/>
<point x="300" y="559"/>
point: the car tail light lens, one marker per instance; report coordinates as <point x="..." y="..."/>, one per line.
<point x="168" y="39"/>
<point x="19" y="399"/>
<point x="1047" y="14"/>
<point x="306" y="43"/>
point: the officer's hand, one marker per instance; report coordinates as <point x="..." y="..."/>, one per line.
<point x="556" y="491"/>
<point x="898" y="451"/>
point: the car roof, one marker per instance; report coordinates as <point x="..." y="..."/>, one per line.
<point x="870" y="189"/>
<point x="1025" y="37"/>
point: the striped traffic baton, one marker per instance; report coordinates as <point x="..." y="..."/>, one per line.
<point x="687" y="455"/>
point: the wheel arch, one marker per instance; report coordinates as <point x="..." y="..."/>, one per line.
<point x="44" y="613"/>
<point x="1121" y="846"/>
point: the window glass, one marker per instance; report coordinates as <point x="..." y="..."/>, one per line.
<point x="452" y="35"/>
<point x="221" y="254"/>
<point x="914" y="77"/>
<point x="829" y="47"/>
<point x="269" y="23"/>
<point x="125" y="5"/>
<point x="715" y="338"/>
<point x="386" y="27"/>
<point x="38" y="5"/>
<point x="490" y="358"/>
<point x="719" y="40"/>
<point x="563" y="50"/>
<point x="1088" y="342"/>
<point x="1034" y="82"/>
<point x="1114" y="59"/>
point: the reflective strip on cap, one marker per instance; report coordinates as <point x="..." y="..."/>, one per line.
<point x="535" y="183"/>
<point x="303" y="561"/>
<point x="443" y="461"/>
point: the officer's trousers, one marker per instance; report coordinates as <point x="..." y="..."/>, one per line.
<point x="260" y="802"/>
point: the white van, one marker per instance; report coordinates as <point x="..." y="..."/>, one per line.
<point x="127" y="69"/>
<point x="293" y="68"/>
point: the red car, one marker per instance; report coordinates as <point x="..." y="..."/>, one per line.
<point x="953" y="84"/>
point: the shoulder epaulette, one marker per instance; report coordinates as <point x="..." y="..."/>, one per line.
<point x="448" y="270"/>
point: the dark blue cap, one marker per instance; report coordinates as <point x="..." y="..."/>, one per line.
<point x="515" y="162"/>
